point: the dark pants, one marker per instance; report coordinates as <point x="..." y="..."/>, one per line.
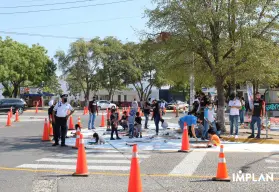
<point x="60" y="129"/>
<point x="114" y="129"/>
<point x="257" y="120"/>
<point x="156" y="121"/>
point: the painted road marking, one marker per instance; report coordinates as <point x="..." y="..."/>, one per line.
<point x="88" y="161"/>
<point x="189" y="164"/>
<point x="109" y="156"/>
<point x="271" y="161"/>
<point x="73" y="167"/>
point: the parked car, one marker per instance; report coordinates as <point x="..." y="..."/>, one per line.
<point x="104" y="104"/>
<point x="181" y="105"/>
<point x="14" y="103"/>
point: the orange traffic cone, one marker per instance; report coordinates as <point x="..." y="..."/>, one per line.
<point x="37" y="107"/>
<point x="9" y="123"/>
<point x="11" y="112"/>
<point x="222" y="173"/>
<point x="50" y="129"/>
<point x="71" y="123"/>
<point x="81" y="169"/>
<point x="45" y="133"/>
<point x="135" y="180"/>
<point x="84" y="111"/>
<point x="103" y="120"/>
<point x="185" y="146"/>
<point x="17" y="117"/>
<point x="79" y="123"/>
<point x="77" y="139"/>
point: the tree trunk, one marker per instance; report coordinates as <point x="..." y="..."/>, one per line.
<point x="15" y="92"/>
<point x="221" y="103"/>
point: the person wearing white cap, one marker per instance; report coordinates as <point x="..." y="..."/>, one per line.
<point x="61" y="109"/>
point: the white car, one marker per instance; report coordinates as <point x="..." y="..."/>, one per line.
<point x="104" y="104"/>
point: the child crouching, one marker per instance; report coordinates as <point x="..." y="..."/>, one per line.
<point x="99" y="140"/>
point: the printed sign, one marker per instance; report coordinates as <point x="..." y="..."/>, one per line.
<point x="250" y="94"/>
<point x="272" y="107"/>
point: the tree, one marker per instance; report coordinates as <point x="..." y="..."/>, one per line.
<point x="112" y="72"/>
<point x="20" y="63"/>
<point x="226" y="36"/>
<point x="142" y="69"/>
<point x="80" y="64"/>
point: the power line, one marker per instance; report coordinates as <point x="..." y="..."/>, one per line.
<point x="65" y="8"/>
<point x="41" y="35"/>
<point x="73" y="23"/>
<point x="47" y="4"/>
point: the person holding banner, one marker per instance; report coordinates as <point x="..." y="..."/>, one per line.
<point x="258" y="112"/>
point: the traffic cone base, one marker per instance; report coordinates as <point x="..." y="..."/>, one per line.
<point x="185" y="151"/>
<point x="81" y="175"/>
<point x="219" y="179"/>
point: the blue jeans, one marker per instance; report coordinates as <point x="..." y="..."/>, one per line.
<point x="241" y="115"/>
<point x="234" y="122"/>
<point x="214" y="126"/>
<point x="257" y="120"/>
<point x="146" y="120"/>
<point x="156" y="121"/>
<point x="205" y="129"/>
<point x="91" y="121"/>
<point x="131" y="130"/>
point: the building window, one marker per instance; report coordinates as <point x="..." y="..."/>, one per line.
<point x="125" y="97"/>
<point x="119" y="98"/>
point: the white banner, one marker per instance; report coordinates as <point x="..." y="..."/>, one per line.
<point x="250" y="94"/>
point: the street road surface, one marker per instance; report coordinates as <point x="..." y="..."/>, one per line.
<point x="29" y="165"/>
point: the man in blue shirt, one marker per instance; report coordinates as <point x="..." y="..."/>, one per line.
<point x="191" y="121"/>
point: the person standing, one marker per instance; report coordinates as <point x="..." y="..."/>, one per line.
<point x="163" y="106"/>
<point x="235" y="106"/>
<point x="258" y="112"/>
<point x="114" y="124"/>
<point x="157" y="116"/>
<point x="146" y="112"/>
<point x="242" y="111"/>
<point x="93" y="111"/>
<point x="60" y="112"/>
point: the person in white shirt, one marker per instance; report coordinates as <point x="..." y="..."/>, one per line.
<point x="135" y="105"/>
<point x="163" y="106"/>
<point x="234" y="105"/>
<point x="60" y="112"/>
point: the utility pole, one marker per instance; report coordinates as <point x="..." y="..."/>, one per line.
<point x="192" y="85"/>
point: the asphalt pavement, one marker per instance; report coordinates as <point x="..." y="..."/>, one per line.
<point x="22" y="148"/>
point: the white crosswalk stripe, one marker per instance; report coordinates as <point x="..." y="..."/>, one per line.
<point x="95" y="161"/>
<point x="272" y="164"/>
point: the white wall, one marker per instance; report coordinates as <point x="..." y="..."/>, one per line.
<point x="1" y="91"/>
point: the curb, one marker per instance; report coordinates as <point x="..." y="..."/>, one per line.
<point x="245" y="140"/>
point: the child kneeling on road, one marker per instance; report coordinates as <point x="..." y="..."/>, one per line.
<point x="99" y="140"/>
<point x="214" y="139"/>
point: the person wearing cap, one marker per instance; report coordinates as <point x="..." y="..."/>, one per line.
<point x="93" y="111"/>
<point x="258" y="112"/>
<point x="60" y="112"/>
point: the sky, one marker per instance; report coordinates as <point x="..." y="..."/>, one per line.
<point x="100" y="18"/>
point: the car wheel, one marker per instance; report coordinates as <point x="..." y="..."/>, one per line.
<point x="99" y="108"/>
<point x="20" y="110"/>
<point x="113" y="107"/>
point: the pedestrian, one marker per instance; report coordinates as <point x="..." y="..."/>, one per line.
<point x="99" y="140"/>
<point x="131" y="122"/>
<point x="196" y="105"/>
<point x="108" y="119"/>
<point x="209" y="120"/>
<point x="138" y="125"/>
<point x="235" y="106"/>
<point x="124" y="120"/>
<point x="52" y="104"/>
<point x="93" y="111"/>
<point x="135" y="104"/>
<point x="163" y="106"/>
<point x="60" y="112"/>
<point x="157" y="116"/>
<point x="114" y="124"/>
<point x="242" y="111"/>
<point x="258" y="113"/>
<point x="214" y="139"/>
<point x="146" y="112"/>
<point x="191" y="122"/>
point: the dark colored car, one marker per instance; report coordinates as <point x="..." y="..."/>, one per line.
<point x="15" y="103"/>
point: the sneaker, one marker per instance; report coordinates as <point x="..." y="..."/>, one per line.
<point x="140" y="136"/>
<point x="231" y="136"/>
<point x="55" y="144"/>
<point x="251" y="136"/>
<point x="118" y="138"/>
<point x="236" y="136"/>
<point x="112" y="139"/>
<point x="63" y="145"/>
<point x="258" y="137"/>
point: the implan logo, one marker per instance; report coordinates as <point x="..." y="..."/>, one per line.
<point x="244" y="177"/>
